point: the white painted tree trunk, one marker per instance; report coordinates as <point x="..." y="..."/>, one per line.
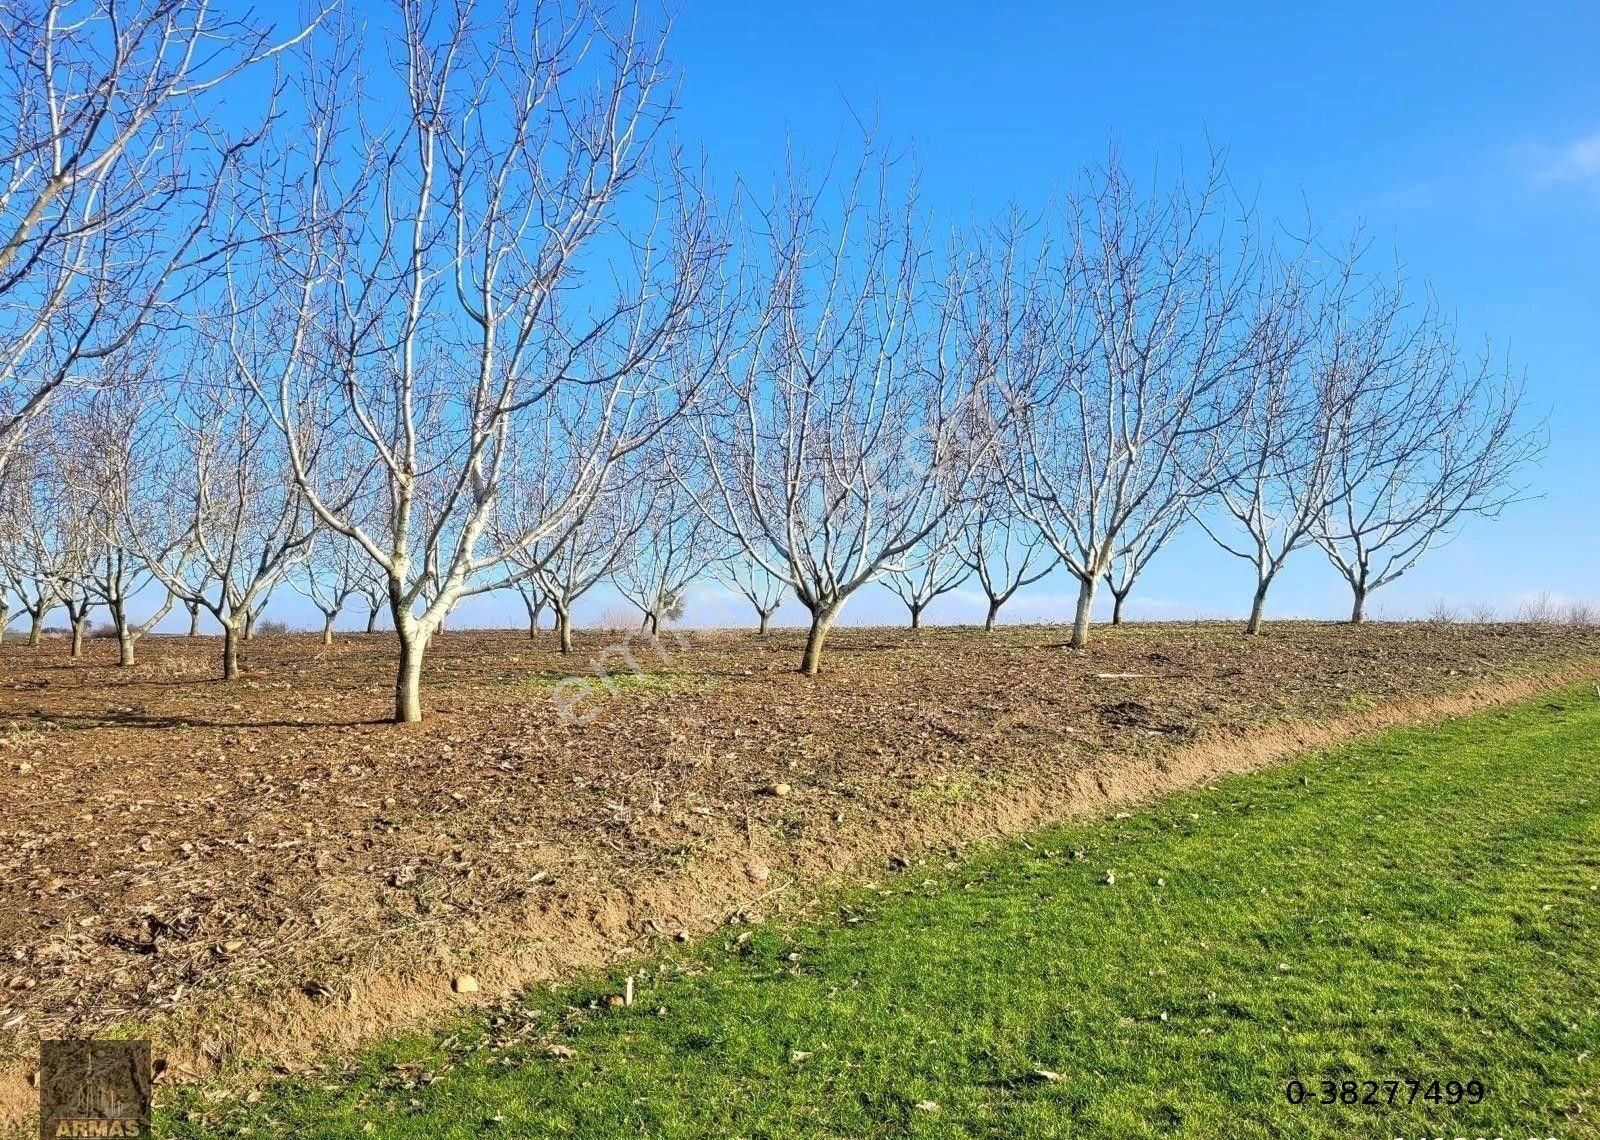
<point x="1080" y="620"/>
<point x="408" y="676"/>
<point x="822" y="620"/>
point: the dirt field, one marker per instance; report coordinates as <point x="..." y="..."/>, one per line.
<point x="264" y="865"/>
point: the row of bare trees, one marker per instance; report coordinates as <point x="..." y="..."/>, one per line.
<point x="453" y="314"/>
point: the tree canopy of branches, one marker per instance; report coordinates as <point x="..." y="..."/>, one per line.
<point x="671" y="548"/>
<point x="442" y="297"/>
<point x="837" y="420"/>
<point x="742" y="575"/>
<point x="1440" y="441"/>
<point x="934" y="567"/>
<point x="112" y="180"/>
<point x="237" y="522"/>
<point x="1129" y="372"/>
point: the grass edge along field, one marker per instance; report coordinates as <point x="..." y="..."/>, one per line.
<point x="1417" y="905"/>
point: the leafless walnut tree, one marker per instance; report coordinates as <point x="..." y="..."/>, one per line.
<point x="373" y="587"/>
<point x="108" y="438"/>
<point x="672" y="547"/>
<point x="839" y="418"/>
<point x="597" y="535"/>
<point x="534" y="601"/>
<point x="329" y="575"/>
<point x="1005" y="551"/>
<point x="598" y="539"/>
<point x="1118" y="413"/>
<point x="935" y="566"/>
<point x="471" y="267"/>
<point x="111" y="173"/>
<point x="742" y="575"/>
<point x="234" y="521"/>
<point x="1441" y="440"/>
<point x="1151" y="530"/>
<point x="47" y="534"/>
<point x="1323" y="354"/>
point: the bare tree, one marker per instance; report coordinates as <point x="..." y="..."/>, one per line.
<point x="110" y="477"/>
<point x="839" y="419"/>
<point x="1151" y="528"/>
<point x="1004" y="550"/>
<point x="37" y="596"/>
<point x="534" y="601"/>
<point x="745" y="577"/>
<point x="451" y="295"/>
<point x="111" y="171"/>
<point x="599" y="536"/>
<point x="934" y="567"/>
<point x="47" y="538"/>
<point x="373" y="586"/>
<point x="671" y="549"/>
<point x="237" y="522"/>
<point x="1322" y="353"/>
<point x="1439" y="441"/>
<point x="328" y="575"/>
<point x="1123" y="406"/>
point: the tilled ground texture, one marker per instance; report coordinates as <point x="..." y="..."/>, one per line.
<point x="179" y="851"/>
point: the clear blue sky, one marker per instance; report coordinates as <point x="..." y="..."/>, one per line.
<point x="1466" y="136"/>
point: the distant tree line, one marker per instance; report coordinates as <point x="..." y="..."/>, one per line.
<point x="448" y="311"/>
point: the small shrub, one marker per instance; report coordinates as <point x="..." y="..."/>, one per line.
<point x="1443" y="613"/>
<point x="1582" y="615"/>
<point x="1539" y="609"/>
<point x="105" y="631"/>
<point x="1484" y="614"/>
<point x="272" y="628"/>
<point x="620" y="619"/>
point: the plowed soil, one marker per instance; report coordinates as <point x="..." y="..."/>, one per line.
<point x="230" y="864"/>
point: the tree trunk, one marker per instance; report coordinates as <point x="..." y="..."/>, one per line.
<point x="119" y="622"/>
<point x="1080" y="620"/>
<point x="564" y="629"/>
<point x="372" y="620"/>
<point x="766" y="622"/>
<point x="821" y="622"/>
<point x="327" y="629"/>
<point x="408" y="678"/>
<point x="5" y="619"/>
<point x="250" y="624"/>
<point x="916" y="617"/>
<point x="989" y="618"/>
<point x="1358" y="611"/>
<point x="36" y="627"/>
<point x="653" y="623"/>
<point x="194" y="618"/>
<point x="230" y="650"/>
<point x="1257" y="604"/>
<point x="1116" y="606"/>
<point x="78" y="624"/>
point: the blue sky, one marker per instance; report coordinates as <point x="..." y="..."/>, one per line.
<point x="1465" y="136"/>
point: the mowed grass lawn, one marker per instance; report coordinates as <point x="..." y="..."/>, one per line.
<point x="1424" y="905"/>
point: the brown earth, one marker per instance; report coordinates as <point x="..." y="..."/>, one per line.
<point x="263" y="867"/>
